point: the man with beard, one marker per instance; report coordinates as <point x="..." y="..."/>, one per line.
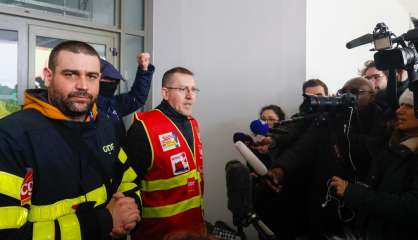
<point x="62" y="172"/>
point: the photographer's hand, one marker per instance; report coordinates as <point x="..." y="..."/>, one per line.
<point x="274" y="179"/>
<point x="340" y="185"/>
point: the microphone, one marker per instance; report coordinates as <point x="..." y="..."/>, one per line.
<point x="366" y="38"/>
<point x="251" y="158"/>
<point x="411" y="35"/>
<point x="239" y="190"/>
<point x="259" y="127"/>
<point x="239" y="136"/>
<point x="239" y="193"/>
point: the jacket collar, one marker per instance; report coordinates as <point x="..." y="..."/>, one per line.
<point x="38" y="99"/>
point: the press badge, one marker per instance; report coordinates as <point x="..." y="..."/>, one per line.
<point x="169" y="141"/>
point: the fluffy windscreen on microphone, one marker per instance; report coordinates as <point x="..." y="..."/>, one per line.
<point x="407" y="97"/>
<point x="245" y="138"/>
<point x="251" y="158"/>
<point x="239" y="188"/>
<point x="259" y="127"/>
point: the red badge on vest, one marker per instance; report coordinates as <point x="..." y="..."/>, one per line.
<point x="26" y="188"/>
<point x="191" y="186"/>
<point x="179" y="163"/>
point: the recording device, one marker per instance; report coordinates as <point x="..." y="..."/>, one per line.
<point x="239" y="193"/>
<point x="251" y="158"/>
<point x="239" y="190"/>
<point x="394" y="53"/>
<point x="245" y="138"/>
<point x="259" y="127"/>
<point x="318" y="104"/>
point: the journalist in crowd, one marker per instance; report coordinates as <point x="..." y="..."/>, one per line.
<point x="333" y="144"/>
<point x="388" y="205"/>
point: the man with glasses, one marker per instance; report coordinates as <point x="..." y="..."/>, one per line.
<point x="165" y="148"/>
<point x="361" y="88"/>
<point x="377" y="78"/>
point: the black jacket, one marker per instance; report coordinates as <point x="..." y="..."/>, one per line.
<point x="68" y="160"/>
<point x="322" y="152"/>
<point x="388" y="208"/>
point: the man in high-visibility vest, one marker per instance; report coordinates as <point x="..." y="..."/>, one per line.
<point x="165" y="149"/>
<point x="62" y="171"/>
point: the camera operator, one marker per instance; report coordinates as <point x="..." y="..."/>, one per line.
<point x="284" y="135"/>
<point x="331" y="146"/>
<point x="388" y="207"/>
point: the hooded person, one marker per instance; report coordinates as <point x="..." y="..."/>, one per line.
<point x="117" y="106"/>
<point x="111" y="78"/>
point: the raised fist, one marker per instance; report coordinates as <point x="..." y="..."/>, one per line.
<point x="143" y="60"/>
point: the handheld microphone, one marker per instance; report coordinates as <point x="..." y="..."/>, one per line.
<point x="251" y="158"/>
<point x="245" y="138"/>
<point x="366" y="38"/>
<point x="239" y="193"/>
<point x="259" y="127"/>
<point x="239" y="190"/>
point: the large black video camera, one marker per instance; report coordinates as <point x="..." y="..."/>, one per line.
<point x="317" y="104"/>
<point x="393" y="53"/>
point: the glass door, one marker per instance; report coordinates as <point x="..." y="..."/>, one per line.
<point x="43" y="39"/>
<point x="13" y="43"/>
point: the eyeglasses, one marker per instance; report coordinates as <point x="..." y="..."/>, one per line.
<point x="356" y="92"/>
<point x="185" y="90"/>
<point x="269" y="120"/>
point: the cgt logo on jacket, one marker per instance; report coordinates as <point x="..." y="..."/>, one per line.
<point x="108" y="148"/>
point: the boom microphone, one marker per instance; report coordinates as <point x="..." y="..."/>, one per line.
<point x="251" y="158"/>
<point x="411" y="35"/>
<point x="366" y="38"/>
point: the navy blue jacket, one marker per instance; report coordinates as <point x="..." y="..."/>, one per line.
<point x="37" y="138"/>
<point x="121" y="105"/>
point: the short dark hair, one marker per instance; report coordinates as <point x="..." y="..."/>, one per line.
<point x="276" y="109"/>
<point x="370" y="64"/>
<point x="314" y="83"/>
<point x="71" y="46"/>
<point x="167" y="75"/>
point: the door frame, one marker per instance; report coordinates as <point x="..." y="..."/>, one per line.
<point x="68" y="33"/>
<point x="17" y="24"/>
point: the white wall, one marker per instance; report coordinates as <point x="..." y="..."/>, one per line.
<point x="245" y="54"/>
<point x="331" y="24"/>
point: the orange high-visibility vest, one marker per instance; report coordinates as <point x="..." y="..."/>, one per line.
<point x="172" y="189"/>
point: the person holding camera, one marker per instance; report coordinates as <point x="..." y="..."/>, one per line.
<point x="388" y="205"/>
<point x="334" y="144"/>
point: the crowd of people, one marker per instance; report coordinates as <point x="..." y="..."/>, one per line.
<point x="343" y="172"/>
<point x="70" y="169"/>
